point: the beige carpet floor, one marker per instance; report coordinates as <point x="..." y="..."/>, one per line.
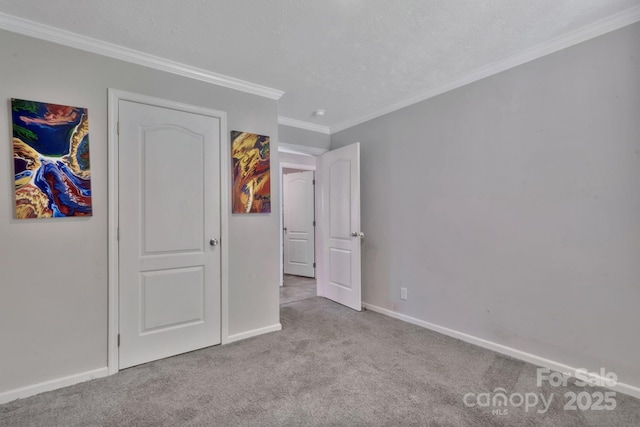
<point x="297" y="288"/>
<point x="329" y="366"/>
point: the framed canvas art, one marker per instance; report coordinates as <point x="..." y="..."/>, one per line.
<point x="251" y="192"/>
<point x="51" y="160"/>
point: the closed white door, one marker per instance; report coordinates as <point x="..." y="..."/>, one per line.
<point x="299" y="223"/>
<point x="169" y="226"/>
<point x="339" y="234"/>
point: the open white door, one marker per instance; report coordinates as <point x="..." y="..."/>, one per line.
<point x="169" y="227"/>
<point x="339" y="233"/>
<point x="299" y="223"/>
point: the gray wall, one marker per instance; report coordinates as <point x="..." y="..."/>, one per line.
<point x="510" y="208"/>
<point x="297" y="136"/>
<point x="53" y="272"/>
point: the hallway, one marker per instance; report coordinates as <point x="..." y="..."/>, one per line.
<point x="297" y="288"/>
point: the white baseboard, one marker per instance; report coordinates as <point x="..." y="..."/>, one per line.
<point x="499" y="348"/>
<point x="34" y="389"/>
<point x="253" y="333"/>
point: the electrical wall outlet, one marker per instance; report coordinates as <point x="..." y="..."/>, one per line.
<point x="403" y="293"/>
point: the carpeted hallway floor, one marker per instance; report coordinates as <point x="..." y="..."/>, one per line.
<point x="297" y="288"/>
<point x="329" y="366"/>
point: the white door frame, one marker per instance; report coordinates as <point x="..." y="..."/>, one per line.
<point x="312" y="231"/>
<point x="115" y="96"/>
<point x="299" y="167"/>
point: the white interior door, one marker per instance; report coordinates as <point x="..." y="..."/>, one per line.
<point x="299" y="223"/>
<point x="169" y="225"/>
<point x="339" y="233"/>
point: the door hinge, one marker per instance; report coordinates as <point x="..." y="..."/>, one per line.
<point x="314" y="223"/>
<point x="118" y="128"/>
<point x="118" y="340"/>
<point x="314" y="265"/>
<point x="118" y="234"/>
<point x="314" y="182"/>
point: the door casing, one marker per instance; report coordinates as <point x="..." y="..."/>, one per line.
<point x="114" y="97"/>
<point x="299" y="208"/>
<point x="283" y="166"/>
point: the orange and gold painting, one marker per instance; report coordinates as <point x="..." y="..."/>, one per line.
<point x="251" y="191"/>
<point x="51" y="160"/>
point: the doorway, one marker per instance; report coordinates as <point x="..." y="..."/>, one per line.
<point x="338" y="235"/>
<point x="298" y="231"/>
<point x="299" y="223"/>
<point x="167" y="222"/>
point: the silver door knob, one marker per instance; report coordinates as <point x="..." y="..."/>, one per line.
<point x="213" y="242"/>
<point x="359" y="234"/>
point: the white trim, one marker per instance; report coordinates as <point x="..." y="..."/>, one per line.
<point x="112" y="232"/>
<point x="114" y="97"/>
<point x="304" y="150"/>
<point x="225" y="206"/>
<point x="291" y="151"/>
<point x="283" y="165"/>
<point x="287" y="121"/>
<point x="31" y="390"/>
<point x="77" y="41"/>
<point x="299" y="166"/>
<point x="254" y="333"/>
<point x="499" y="348"/>
<point x="67" y="38"/>
<point x="598" y="28"/>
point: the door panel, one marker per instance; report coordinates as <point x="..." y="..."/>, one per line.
<point x="340" y="272"/>
<point x="169" y="201"/>
<point x="339" y="235"/>
<point x="339" y="200"/>
<point x="298" y="252"/>
<point x="298" y="220"/>
<point x="188" y="298"/>
<point x="165" y="165"/>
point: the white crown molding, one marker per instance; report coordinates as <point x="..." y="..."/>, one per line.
<point x="283" y="147"/>
<point x="77" y="41"/>
<point x="598" y="28"/>
<point x="286" y="121"/>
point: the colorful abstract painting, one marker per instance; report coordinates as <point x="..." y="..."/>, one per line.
<point x="251" y="177"/>
<point x="51" y="160"/>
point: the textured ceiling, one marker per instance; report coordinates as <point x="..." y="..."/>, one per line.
<point x="349" y="57"/>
